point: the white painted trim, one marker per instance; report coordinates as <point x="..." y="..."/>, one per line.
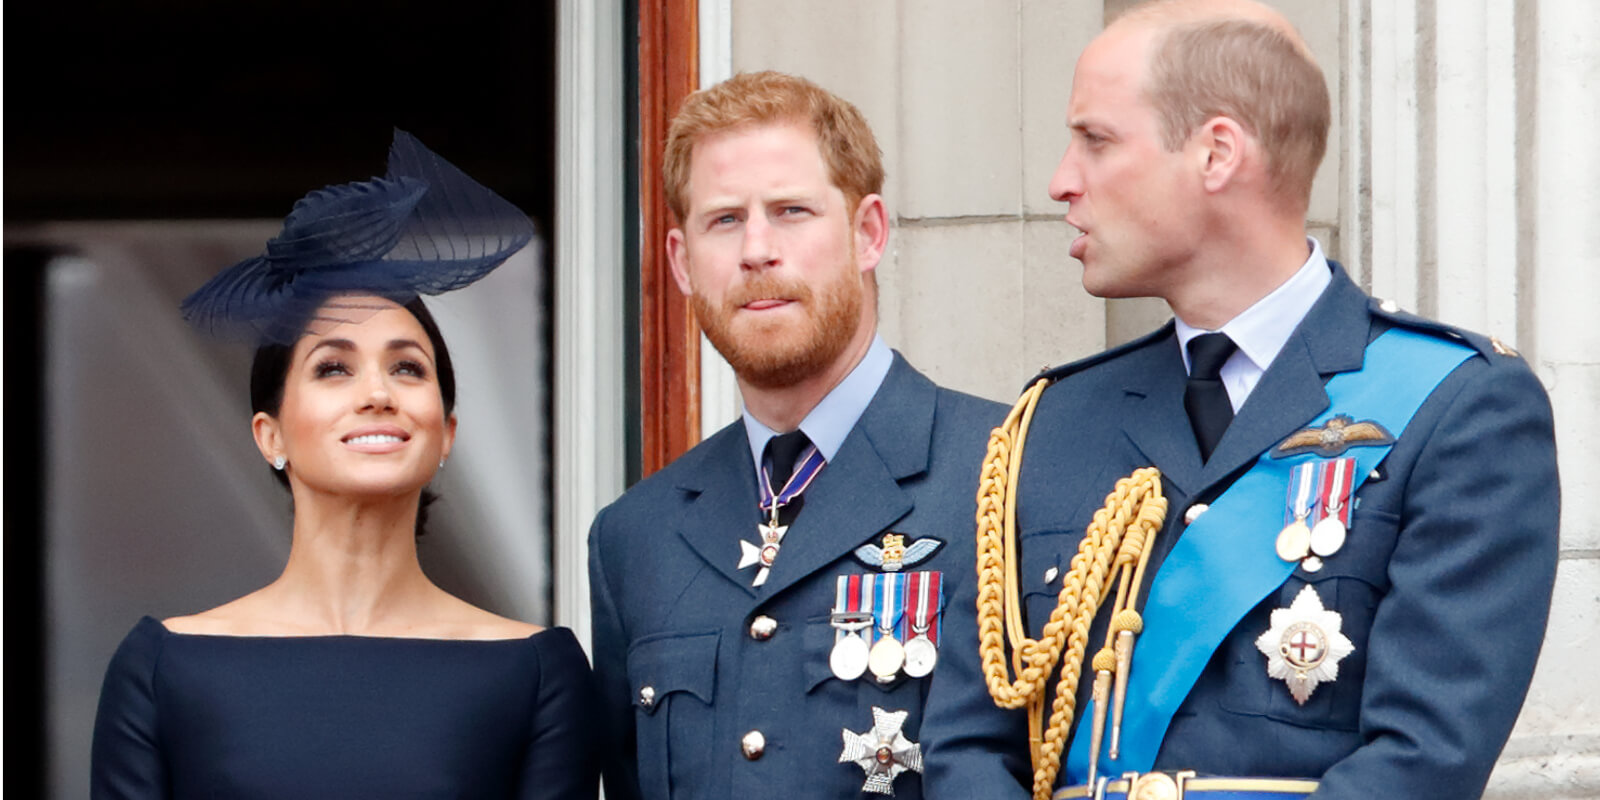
<point x="588" y="397"/>
<point x="716" y="41"/>
<point x="719" y="390"/>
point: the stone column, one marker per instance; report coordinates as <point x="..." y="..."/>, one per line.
<point x="1470" y="196"/>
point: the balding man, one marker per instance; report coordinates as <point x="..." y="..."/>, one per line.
<point x="1349" y="590"/>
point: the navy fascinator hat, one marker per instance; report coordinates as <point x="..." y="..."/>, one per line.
<point x="425" y="227"/>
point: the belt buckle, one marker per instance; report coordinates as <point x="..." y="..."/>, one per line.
<point x="1157" y="785"/>
<point x="1099" y="792"/>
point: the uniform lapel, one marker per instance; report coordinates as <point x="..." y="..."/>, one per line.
<point x="722" y="506"/>
<point x="1331" y="339"/>
<point x="1153" y="417"/>
<point x="858" y="493"/>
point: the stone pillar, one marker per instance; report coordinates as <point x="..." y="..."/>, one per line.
<point x="1556" y="751"/>
<point x="1470" y="196"/>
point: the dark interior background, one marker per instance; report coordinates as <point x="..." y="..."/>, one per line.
<point x="197" y="110"/>
<point x="178" y="109"/>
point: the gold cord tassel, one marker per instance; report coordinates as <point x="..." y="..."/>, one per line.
<point x="1116" y="540"/>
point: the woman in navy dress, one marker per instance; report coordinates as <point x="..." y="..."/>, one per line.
<point x="352" y="675"/>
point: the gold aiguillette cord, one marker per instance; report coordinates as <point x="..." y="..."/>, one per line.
<point x="1117" y="539"/>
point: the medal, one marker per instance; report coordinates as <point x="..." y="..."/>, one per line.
<point x="888" y="605"/>
<point x="848" y="659"/>
<point x="921" y="656"/>
<point x="764" y="554"/>
<point x="769" y="535"/>
<point x="1294" y="541"/>
<point x="1328" y="535"/>
<point x="886" y="658"/>
<point x="1304" y="645"/>
<point x="883" y="752"/>
<point x="924" y="595"/>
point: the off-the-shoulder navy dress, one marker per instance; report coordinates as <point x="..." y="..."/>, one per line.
<point x="193" y="716"/>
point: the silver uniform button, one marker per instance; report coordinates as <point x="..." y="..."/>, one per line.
<point x="1194" y="513"/>
<point x="1050" y="574"/>
<point x="647" y="696"/>
<point x="1389" y="306"/>
<point x="762" y="628"/>
<point x="753" y="745"/>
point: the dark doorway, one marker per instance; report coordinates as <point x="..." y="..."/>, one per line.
<point x="191" y="109"/>
<point x="135" y="125"/>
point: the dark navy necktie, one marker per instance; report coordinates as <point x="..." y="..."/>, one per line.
<point x="781" y="454"/>
<point x="1204" y="396"/>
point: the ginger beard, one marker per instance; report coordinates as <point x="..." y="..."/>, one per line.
<point x="779" y="351"/>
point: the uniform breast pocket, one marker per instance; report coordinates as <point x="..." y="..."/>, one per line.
<point x="1351" y="582"/>
<point x="1046" y="557"/>
<point x="673" y="678"/>
<point x="822" y="640"/>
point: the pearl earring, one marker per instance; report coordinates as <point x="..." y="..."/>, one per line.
<point x="441" y="463"/>
<point x="278" y="462"/>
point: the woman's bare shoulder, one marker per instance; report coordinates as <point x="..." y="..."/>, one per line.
<point x="467" y="621"/>
<point x="245" y="616"/>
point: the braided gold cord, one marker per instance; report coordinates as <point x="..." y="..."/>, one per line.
<point x="1117" y="538"/>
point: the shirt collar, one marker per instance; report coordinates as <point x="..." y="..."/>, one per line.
<point x="1261" y="330"/>
<point x="835" y="416"/>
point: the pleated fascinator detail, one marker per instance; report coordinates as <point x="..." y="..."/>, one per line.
<point x="423" y="228"/>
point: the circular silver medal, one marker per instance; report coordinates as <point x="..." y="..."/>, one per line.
<point x="921" y="655"/>
<point x="849" y="657"/>
<point x="1327" y="537"/>
<point x="1294" y="542"/>
<point x="886" y="657"/>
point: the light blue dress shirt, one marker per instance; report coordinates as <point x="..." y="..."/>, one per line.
<point x="1261" y="330"/>
<point x="832" y="419"/>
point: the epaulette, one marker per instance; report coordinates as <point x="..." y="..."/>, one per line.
<point x="1053" y="374"/>
<point x="1488" y="346"/>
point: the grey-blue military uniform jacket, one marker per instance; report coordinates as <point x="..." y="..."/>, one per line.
<point x="673" y="613"/>
<point x="1443" y="585"/>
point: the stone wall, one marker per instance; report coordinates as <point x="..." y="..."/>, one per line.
<point x="1460" y="181"/>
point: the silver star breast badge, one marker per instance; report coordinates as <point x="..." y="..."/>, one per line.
<point x="884" y="752"/>
<point x="1304" y="646"/>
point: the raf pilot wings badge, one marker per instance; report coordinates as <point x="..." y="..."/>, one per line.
<point x="895" y="554"/>
<point x="1334" y="437"/>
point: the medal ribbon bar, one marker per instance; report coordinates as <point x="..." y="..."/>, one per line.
<point x="1334" y="499"/>
<point x="924" y="598"/>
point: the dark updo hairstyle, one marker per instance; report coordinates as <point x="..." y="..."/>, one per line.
<point x="269" y="371"/>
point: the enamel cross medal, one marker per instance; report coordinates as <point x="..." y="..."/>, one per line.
<point x="771" y="539"/>
<point x="770" y="533"/>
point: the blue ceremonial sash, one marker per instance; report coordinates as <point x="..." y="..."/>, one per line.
<point x="1226" y="562"/>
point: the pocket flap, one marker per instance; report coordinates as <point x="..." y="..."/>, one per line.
<point x="661" y="664"/>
